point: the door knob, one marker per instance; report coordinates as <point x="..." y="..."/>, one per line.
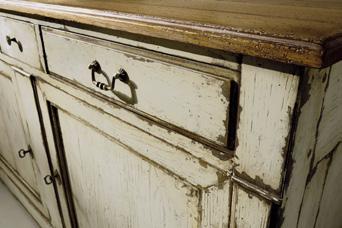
<point x="49" y="179"/>
<point x="22" y="153"/>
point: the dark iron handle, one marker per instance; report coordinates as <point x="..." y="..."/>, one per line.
<point x="122" y="76"/>
<point x="10" y="40"/>
<point x="22" y="153"/>
<point x="95" y="67"/>
<point x="49" y="179"/>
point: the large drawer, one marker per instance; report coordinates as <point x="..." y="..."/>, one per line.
<point x="191" y="97"/>
<point x="18" y="40"/>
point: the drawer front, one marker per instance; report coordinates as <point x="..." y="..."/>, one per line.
<point x="192" y="97"/>
<point x="18" y="40"/>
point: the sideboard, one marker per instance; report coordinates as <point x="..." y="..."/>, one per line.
<point x="175" y="114"/>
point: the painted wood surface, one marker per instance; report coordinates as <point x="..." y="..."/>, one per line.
<point x="292" y="32"/>
<point x="248" y="210"/>
<point x="267" y="99"/>
<point x="25" y="90"/>
<point x="310" y="107"/>
<point x="24" y="33"/>
<point x="329" y="214"/>
<point x="114" y="188"/>
<point x="189" y="99"/>
<point x="189" y="146"/>
<point x="126" y="158"/>
<point x="315" y="177"/>
<point x="12" y="132"/>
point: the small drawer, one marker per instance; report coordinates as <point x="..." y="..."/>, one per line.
<point x="190" y="97"/>
<point x="18" y="40"/>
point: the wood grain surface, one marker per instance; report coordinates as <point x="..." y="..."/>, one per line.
<point x="301" y="32"/>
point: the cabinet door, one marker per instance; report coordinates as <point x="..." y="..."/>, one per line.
<point x="20" y="128"/>
<point x="108" y="177"/>
<point x="12" y="134"/>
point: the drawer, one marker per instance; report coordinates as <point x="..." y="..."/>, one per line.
<point x="191" y="97"/>
<point x="18" y="40"/>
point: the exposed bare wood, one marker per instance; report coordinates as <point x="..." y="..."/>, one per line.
<point x="290" y="32"/>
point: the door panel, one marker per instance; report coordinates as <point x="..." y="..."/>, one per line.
<point x="13" y="134"/>
<point x="20" y="128"/>
<point x="113" y="187"/>
<point x="109" y="177"/>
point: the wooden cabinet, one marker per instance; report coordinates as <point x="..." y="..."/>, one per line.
<point x="153" y="114"/>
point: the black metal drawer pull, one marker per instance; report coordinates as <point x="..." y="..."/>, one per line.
<point x="22" y="153"/>
<point x="96" y="68"/>
<point x="10" y="40"/>
<point x="49" y="179"/>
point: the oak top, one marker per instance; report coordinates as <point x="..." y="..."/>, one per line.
<point x="303" y="32"/>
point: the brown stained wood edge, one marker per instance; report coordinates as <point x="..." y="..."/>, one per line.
<point x="299" y="52"/>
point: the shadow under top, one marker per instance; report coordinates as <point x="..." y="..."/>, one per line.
<point x="302" y="32"/>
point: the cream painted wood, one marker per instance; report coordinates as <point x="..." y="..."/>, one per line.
<point x="188" y="98"/>
<point x="170" y="156"/>
<point x="13" y="136"/>
<point x="312" y="198"/>
<point x="20" y="123"/>
<point x="248" y="210"/>
<point x="121" y="188"/>
<point x="25" y="91"/>
<point x="267" y="98"/>
<point x="189" y="146"/>
<point x="330" y="127"/>
<point x="304" y="142"/>
<point x="267" y="101"/>
<point x="329" y="214"/>
<point x="23" y="32"/>
<point x="310" y="204"/>
<point x="124" y="157"/>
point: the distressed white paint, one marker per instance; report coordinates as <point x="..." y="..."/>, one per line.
<point x="12" y="137"/>
<point x="330" y="126"/>
<point x="133" y="165"/>
<point x="112" y="187"/>
<point x="313" y="90"/>
<point x="167" y="155"/>
<point x="248" y="211"/>
<point x="216" y="206"/>
<point x="190" y="99"/>
<point x="23" y="32"/>
<point x="21" y="128"/>
<point x="312" y="196"/>
<point x="267" y="99"/>
<point x="187" y="144"/>
<point x="329" y="215"/>
<point x="34" y="135"/>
